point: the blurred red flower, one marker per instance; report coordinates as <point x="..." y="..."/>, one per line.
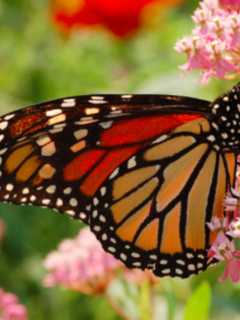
<point x="231" y="4"/>
<point x="122" y="18"/>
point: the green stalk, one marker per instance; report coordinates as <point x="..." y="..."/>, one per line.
<point x="145" y="302"/>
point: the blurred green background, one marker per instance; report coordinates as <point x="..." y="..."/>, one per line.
<point x="38" y="63"/>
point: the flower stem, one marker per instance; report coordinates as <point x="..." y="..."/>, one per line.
<point x="145" y="303"/>
<point x="116" y="307"/>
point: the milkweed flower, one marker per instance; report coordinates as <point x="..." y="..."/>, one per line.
<point x="122" y="18"/>
<point x="227" y="232"/>
<point x="214" y="45"/>
<point x="81" y="264"/>
<point x="223" y="249"/>
<point x="10" y="308"/>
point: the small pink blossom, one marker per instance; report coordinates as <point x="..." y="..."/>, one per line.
<point x="232" y="270"/>
<point x="234" y="229"/>
<point x="214" y="46"/>
<point x="217" y="224"/>
<point x="81" y="264"/>
<point x="10" y="308"/>
<point x="222" y="248"/>
<point x="230" y="203"/>
<point x="228" y="231"/>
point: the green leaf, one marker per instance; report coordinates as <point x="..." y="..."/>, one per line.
<point x="198" y="305"/>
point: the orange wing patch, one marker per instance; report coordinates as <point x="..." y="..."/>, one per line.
<point x="148" y="238"/>
<point x="25" y="164"/>
<point x="231" y="166"/>
<point x="198" y="198"/>
<point x="132" y="180"/>
<point x="28" y="169"/>
<point x="129" y="228"/>
<point x="168" y="148"/>
<point x="121" y="208"/>
<point x="177" y="174"/>
<point x="17" y="157"/>
<point x="171" y="238"/>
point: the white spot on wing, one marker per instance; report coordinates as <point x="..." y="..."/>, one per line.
<point x="33" y="198"/>
<point x="123" y="256"/>
<point x="51" y="189"/>
<point x="89" y="111"/>
<point x="9" y="116"/>
<point x="9" y="187"/>
<point x="57" y="119"/>
<point x="126" y="96"/>
<point x="103" y="191"/>
<point x="43" y="140"/>
<point x="49" y="149"/>
<point x="86" y="120"/>
<point x="68" y="190"/>
<point x="79" y="134"/>
<point x="106" y="125"/>
<point x="68" y="103"/>
<point x="114" y="174"/>
<point x="73" y="202"/>
<point x="2" y="151"/>
<point x="82" y="215"/>
<point x="131" y="163"/>
<point x="59" y="202"/>
<point x="160" y="139"/>
<point x="211" y="138"/>
<point x="70" y="212"/>
<point x="25" y="191"/>
<point x="54" y="112"/>
<point x="46" y="201"/>
<point x="3" y="125"/>
<point x="97" y="101"/>
<point x="166" y="271"/>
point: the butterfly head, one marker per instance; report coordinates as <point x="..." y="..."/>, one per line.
<point x="226" y="119"/>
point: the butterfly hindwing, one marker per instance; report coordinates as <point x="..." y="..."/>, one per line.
<point x="152" y="211"/>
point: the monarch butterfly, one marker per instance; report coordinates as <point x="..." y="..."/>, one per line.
<point x="146" y="172"/>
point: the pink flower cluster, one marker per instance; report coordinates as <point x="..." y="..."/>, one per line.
<point x="10" y="308"/>
<point x="81" y="264"/>
<point x="228" y="231"/>
<point x="214" y="46"/>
